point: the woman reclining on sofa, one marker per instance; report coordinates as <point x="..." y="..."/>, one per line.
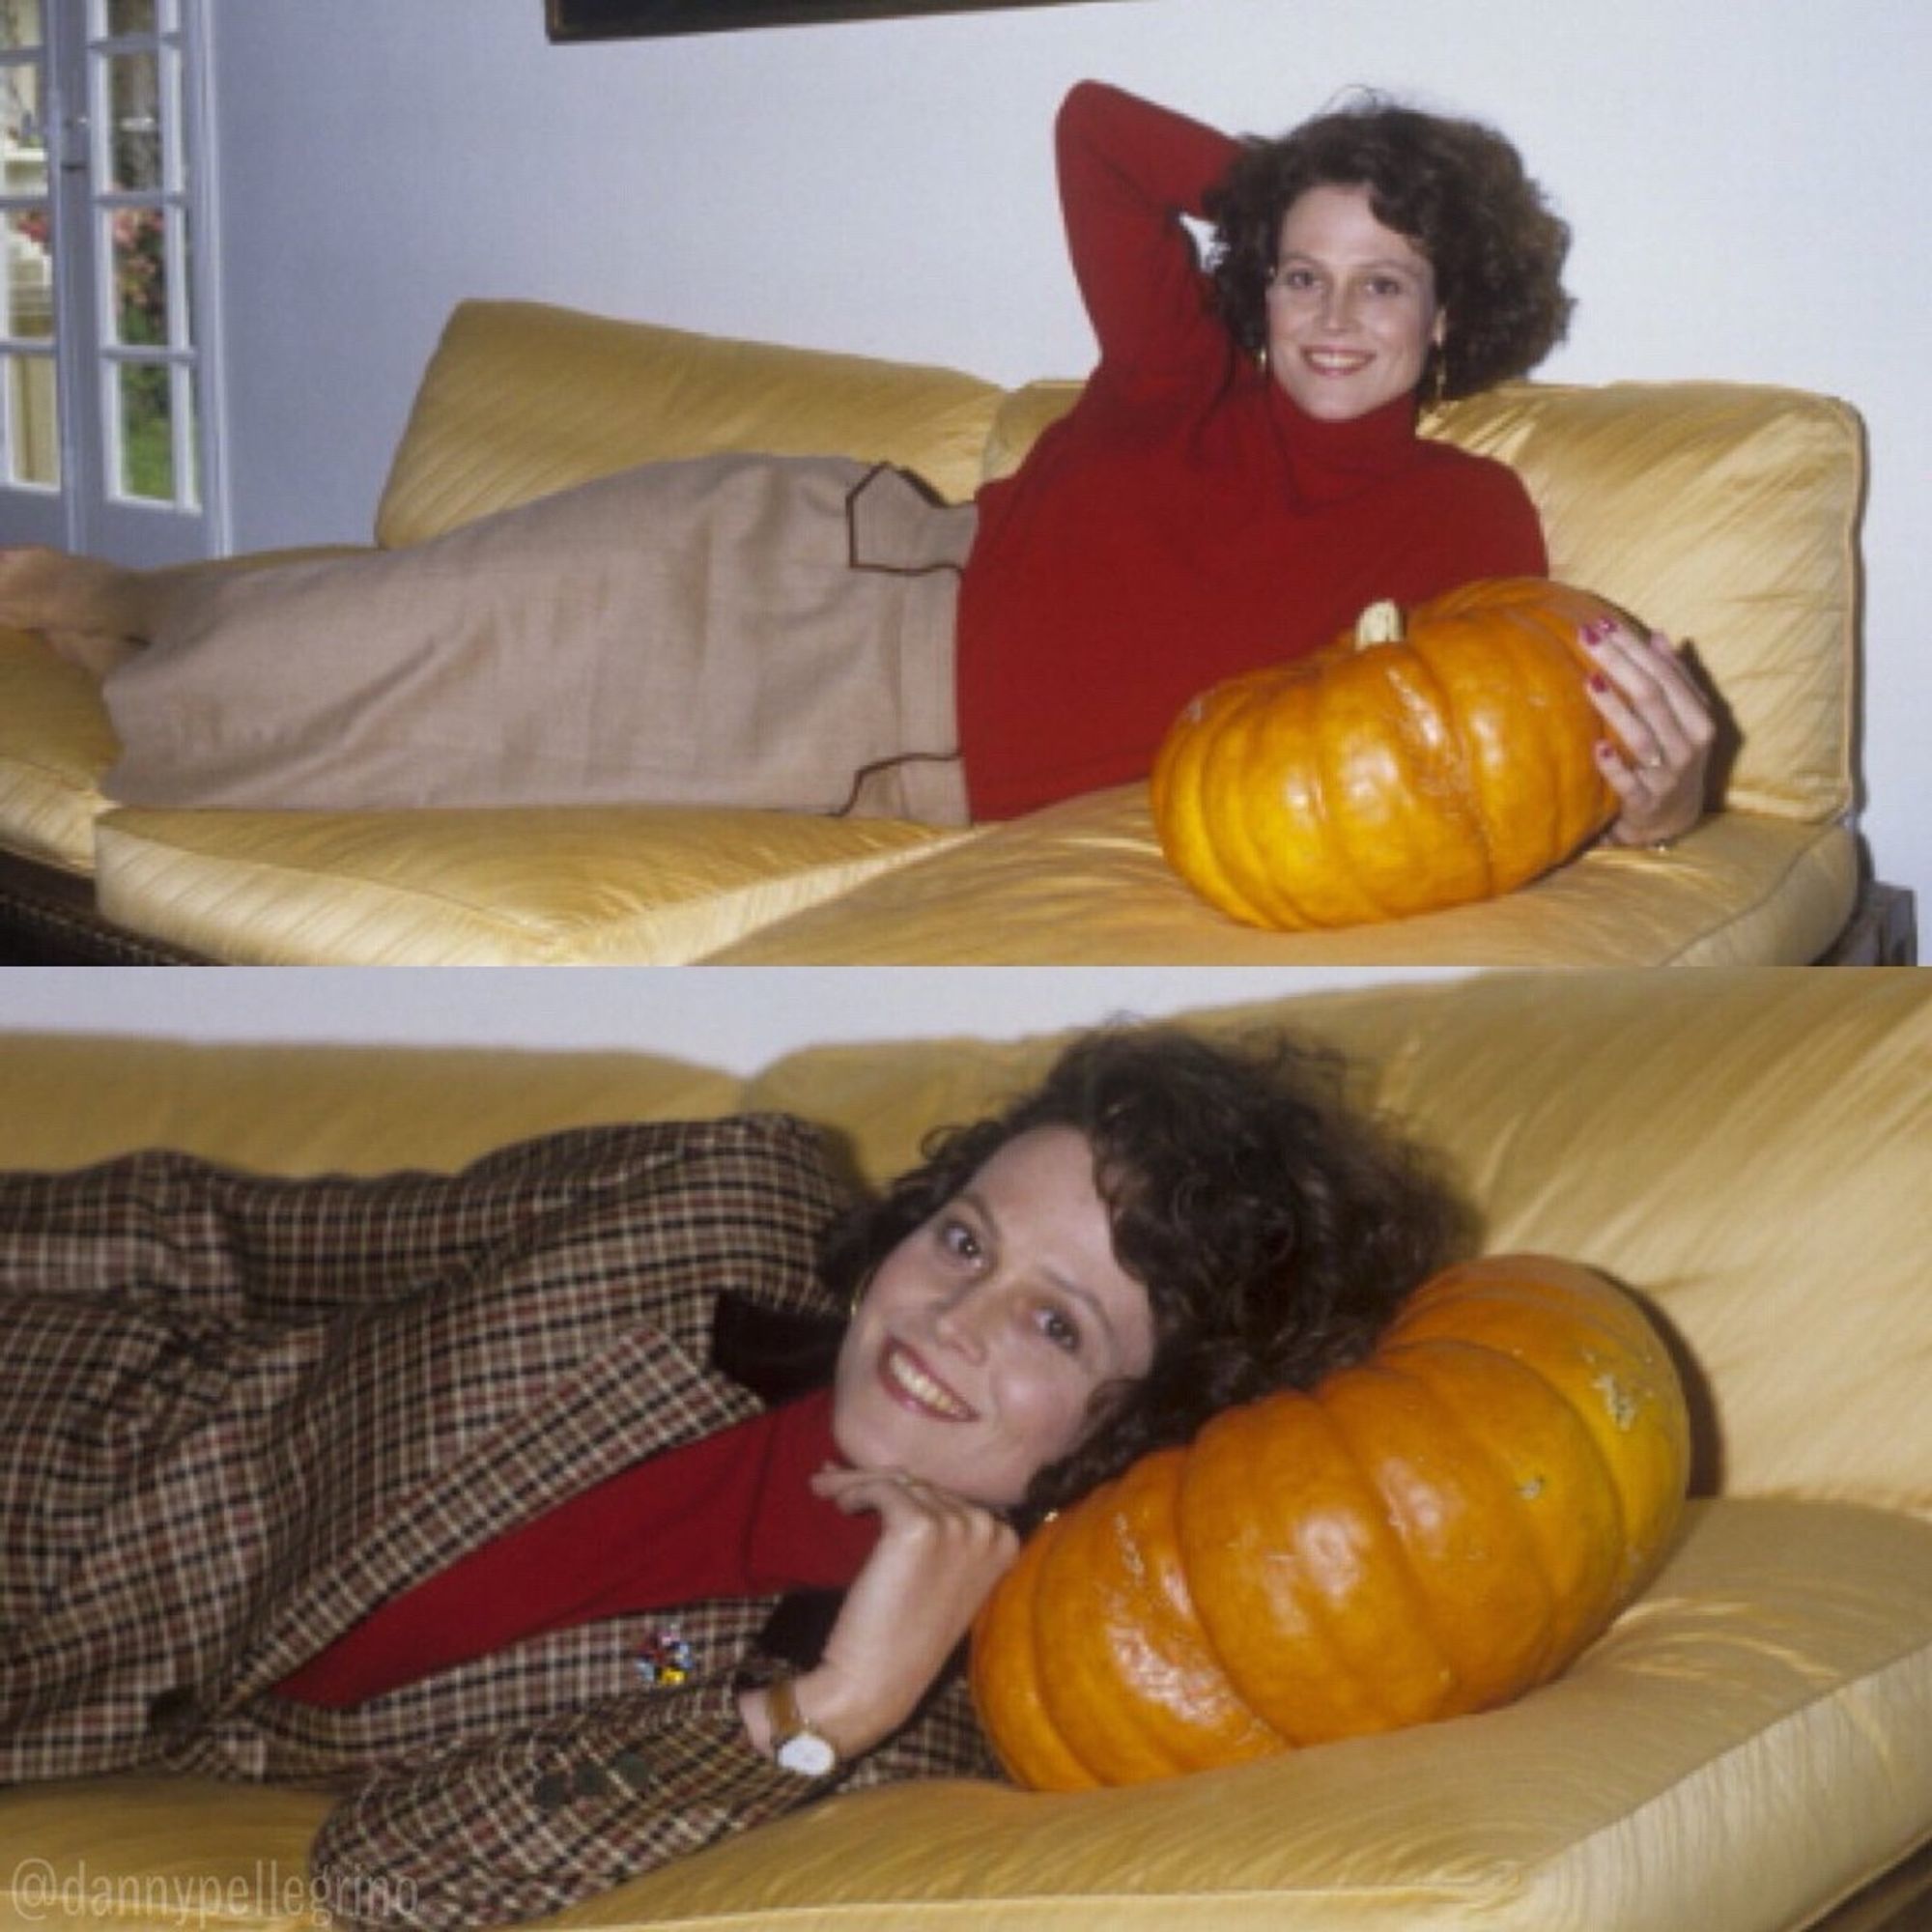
<point x="1240" y="478"/>
<point x="480" y="1493"/>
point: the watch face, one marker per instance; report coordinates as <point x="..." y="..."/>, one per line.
<point x="809" y="1754"/>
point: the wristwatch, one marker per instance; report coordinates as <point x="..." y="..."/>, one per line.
<point x="797" y="1744"/>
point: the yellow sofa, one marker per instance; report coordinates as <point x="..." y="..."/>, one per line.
<point x="1726" y="514"/>
<point x="1749" y="1747"/>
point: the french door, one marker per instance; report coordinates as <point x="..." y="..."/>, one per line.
<point x="107" y="438"/>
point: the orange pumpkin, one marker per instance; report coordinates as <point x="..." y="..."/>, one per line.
<point x="1428" y="1533"/>
<point x="1404" y="768"/>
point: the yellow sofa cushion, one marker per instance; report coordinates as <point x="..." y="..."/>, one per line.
<point x="1748" y="1149"/>
<point x="1080" y="883"/>
<point x="1083" y="883"/>
<point x="55" y="742"/>
<point x="344" y="1110"/>
<point x="641" y="885"/>
<point x="1725" y="514"/>
<point x="1750" y="1744"/>
<point x="521" y="400"/>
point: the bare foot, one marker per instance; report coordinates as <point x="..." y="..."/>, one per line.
<point x="44" y="590"/>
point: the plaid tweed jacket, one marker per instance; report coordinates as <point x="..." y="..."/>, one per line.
<point x="237" y="1413"/>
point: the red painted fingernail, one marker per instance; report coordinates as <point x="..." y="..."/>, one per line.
<point x="1599" y="682"/>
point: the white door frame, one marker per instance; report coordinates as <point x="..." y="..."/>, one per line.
<point x="90" y="512"/>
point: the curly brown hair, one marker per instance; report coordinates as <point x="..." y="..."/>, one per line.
<point x="1457" y="189"/>
<point x="1274" y="1226"/>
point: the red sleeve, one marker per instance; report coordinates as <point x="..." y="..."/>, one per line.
<point x="1129" y="172"/>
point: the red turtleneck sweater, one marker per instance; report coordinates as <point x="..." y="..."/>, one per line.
<point x="1186" y="521"/>
<point x="730" y="1515"/>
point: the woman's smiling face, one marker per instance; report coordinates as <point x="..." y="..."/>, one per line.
<point x="973" y="1361"/>
<point x="1351" y="311"/>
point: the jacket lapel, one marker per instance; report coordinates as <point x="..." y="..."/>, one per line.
<point x="641" y="1395"/>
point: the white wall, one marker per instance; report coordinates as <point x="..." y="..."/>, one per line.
<point x="1745" y="177"/>
<point x="738" y="1021"/>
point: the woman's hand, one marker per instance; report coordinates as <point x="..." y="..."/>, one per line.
<point x="936" y="1561"/>
<point x="1664" y="725"/>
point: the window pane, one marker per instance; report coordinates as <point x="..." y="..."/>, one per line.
<point x="179" y="271"/>
<point x="32" y="420"/>
<point x="139" y="246"/>
<point x="145" y="435"/>
<point x="134" y="118"/>
<point x="130" y="16"/>
<point x="27" y="292"/>
<point x="19" y="23"/>
<point x="184" y="410"/>
<point x="23" y="135"/>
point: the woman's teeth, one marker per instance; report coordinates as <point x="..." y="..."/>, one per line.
<point x="903" y="1371"/>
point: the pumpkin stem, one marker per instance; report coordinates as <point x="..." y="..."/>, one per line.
<point x="1379" y="624"/>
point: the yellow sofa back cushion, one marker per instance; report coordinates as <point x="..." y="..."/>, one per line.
<point x="521" y="400"/>
<point x="1748" y="1148"/>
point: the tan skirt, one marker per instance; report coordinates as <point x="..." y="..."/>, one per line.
<point x="735" y="630"/>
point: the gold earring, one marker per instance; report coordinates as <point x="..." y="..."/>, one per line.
<point x="1261" y="358"/>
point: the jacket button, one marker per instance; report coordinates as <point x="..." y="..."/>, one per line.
<point x="172" y="1712"/>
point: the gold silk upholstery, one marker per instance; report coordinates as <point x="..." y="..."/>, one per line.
<point x="542" y="886"/>
<point x="1082" y="882"/>
<point x="1749" y="1745"/>
<point x="521" y="400"/>
<point x="1655" y="495"/>
<point x="1724" y="513"/>
<point x="55" y="742"/>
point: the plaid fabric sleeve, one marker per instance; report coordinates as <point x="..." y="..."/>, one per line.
<point x="523" y="1824"/>
<point x="943" y="1740"/>
<point x="237" y="1243"/>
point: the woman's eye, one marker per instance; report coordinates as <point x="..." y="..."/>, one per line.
<point x="1060" y="1330"/>
<point x="959" y="1240"/>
